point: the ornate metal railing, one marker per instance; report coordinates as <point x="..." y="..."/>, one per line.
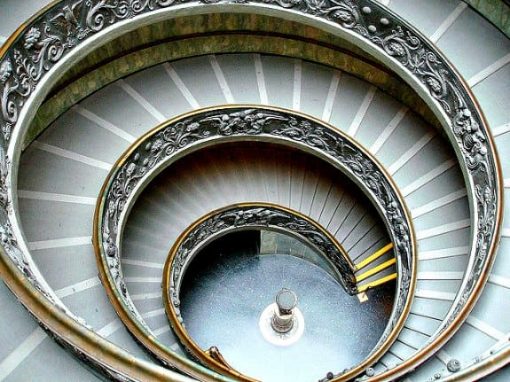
<point x="234" y="218"/>
<point x="33" y="58"/>
<point x="257" y="216"/>
<point x="173" y="140"/>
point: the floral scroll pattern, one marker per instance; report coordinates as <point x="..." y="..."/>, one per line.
<point x="67" y="24"/>
<point x="255" y="216"/>
<point x="50" y="37"/>
<point x="159" y="149"/>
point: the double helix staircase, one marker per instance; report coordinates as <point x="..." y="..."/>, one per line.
<point x="120" y="92"/>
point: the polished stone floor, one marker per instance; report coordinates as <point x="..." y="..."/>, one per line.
<point x="228" y="286"/>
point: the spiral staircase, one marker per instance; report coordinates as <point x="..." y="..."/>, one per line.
<point x="359" y="150"/>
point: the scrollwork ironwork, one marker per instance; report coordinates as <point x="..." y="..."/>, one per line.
<point x="49" y="38"/>
<point x="255" y="216"/>
<point x="159" y="149"/>
<point x="68" y="23"/>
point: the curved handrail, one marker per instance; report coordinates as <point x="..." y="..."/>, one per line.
<point x="482" y="367"/>
<point x="226" y="220"/>
<point x="160" y="148"/>
<point x="262" y="215"/>
<point x="33" y="56"/>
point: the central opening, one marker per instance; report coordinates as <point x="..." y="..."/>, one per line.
<point x="228" y="286"/>
<point x="274" y="309"/>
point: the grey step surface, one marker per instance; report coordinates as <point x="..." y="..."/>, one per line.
<point x="71" y="165"/>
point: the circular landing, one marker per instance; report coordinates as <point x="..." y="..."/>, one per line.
<point x="230" y="283"/>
